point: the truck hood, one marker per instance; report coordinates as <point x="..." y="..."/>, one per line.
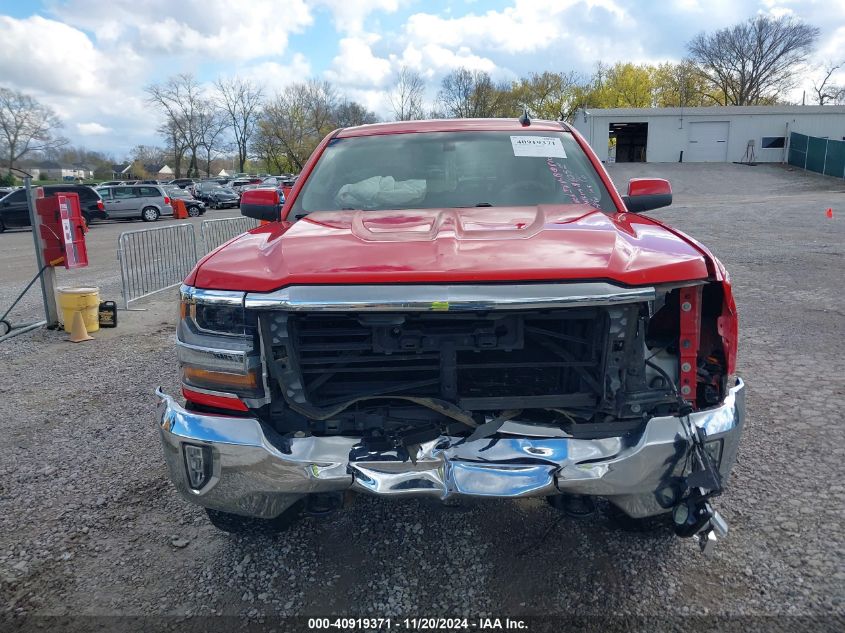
<point x="547" y="242"/>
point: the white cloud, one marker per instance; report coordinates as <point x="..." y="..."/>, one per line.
<point x="349" y="15"/>
<point x="50" y="57"/>
<point x="355" y="63"/>
<point x="212" y="29"/>
<point x="274" y="76"/>
<point x="92" y="129"/>
<point x="527" y="26"/>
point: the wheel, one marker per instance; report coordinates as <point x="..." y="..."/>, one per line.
<point x="149" y="214"/>
<point x="2" y="226"/>
<point x="237" y="524"/>
<point x="193" y="212"/>
<point x="87" y="218"/>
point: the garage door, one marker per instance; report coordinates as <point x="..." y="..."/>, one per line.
<point x="708" y="142"/>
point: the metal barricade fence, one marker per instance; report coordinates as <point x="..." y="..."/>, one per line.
<point x="153" y="260"/>
<point x="216" y="232"/>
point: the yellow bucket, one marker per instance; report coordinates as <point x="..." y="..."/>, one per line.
<point x="84" y="300"/>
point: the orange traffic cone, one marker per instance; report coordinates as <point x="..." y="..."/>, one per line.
<point x="78" y="332"/>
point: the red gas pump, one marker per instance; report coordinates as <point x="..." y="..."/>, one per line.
<point x="62" y="229"/>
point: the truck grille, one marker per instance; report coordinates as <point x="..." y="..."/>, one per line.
<point x="487" y="361"/>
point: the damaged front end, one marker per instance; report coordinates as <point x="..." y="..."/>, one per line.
<point x="509" y="391"/>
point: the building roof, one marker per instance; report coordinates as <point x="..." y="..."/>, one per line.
<point x="452" y="125"/>
<point x="717" y="110"/>
<point x="121" y="169"/>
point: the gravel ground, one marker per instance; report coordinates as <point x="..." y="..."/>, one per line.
<point x="89" y="523"/>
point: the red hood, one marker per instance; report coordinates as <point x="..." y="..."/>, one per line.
<point x="550" y="242"/>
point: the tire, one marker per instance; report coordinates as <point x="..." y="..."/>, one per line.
<point x="149" y="214"/>
<point x="194" y="212"/>
<point x="2" y="226"/>
<point x="237" y="524"/>
<point x="87" y="218"/>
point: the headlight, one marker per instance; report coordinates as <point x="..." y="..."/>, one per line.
<point x="217" y="345"/>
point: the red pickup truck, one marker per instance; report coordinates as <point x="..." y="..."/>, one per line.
<point x="457" y="307"/>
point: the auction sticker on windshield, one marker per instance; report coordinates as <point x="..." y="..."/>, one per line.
<point x="538" y="146"/>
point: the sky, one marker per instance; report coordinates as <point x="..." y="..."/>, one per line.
<point x="90" y="60"/>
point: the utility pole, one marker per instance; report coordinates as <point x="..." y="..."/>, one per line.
<point x="48" y="277"/>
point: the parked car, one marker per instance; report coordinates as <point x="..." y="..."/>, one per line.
<point x="182" y="182"/>
<point x="14" y="211"/>
<point x="147" y="202"/>
<point x="238" y="184"/>
<point x="222" y="197"/>
<point x="109" y="183"/>
<point x="201" y="189"/>
<point x="457" y="308"/>
<point x="195" y="207"/>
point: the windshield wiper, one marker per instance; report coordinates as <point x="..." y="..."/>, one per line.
<point x="484" y="204"/>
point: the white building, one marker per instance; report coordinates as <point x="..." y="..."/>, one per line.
<point x="711" y="134"/>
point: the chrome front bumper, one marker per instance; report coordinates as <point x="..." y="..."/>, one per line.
<point x="256" y="472"/>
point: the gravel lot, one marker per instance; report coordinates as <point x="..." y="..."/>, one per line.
<point x="89" y="523"/>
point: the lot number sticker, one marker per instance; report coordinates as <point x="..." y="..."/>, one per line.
<point x="538" y="146"/>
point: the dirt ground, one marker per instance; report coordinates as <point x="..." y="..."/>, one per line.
<point x="90" y="525"/>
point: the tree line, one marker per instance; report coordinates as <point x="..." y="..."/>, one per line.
<point x="755" y="62"/>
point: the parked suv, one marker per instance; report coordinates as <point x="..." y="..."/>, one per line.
<point x="14" y="211"/>
<point x="147" y="202"/>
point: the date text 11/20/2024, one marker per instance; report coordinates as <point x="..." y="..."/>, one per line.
<point x="417" y="624"/>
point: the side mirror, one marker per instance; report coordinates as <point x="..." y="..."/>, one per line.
<point x="645" y="194"/>
<point x="261" y="204"/>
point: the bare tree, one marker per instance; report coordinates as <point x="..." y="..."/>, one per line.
<point x="754" y="61"/>
<point x="827" y="92"/>
<point x="406" y="95"/>
<point x="26" y="126"/>
<point x="352" y="113"/>
<point x="242" y="101"/>
<point x="147" y="154"/>
<point x="176" y="146"/>
<point x="465" y="93"/>
<point x="211" y="123"/>
<point x="296" y="120"/>
<point x="181" y="99"/>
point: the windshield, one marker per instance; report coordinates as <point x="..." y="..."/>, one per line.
<point x="452" y="169"/>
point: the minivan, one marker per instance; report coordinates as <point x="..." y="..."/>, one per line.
<point x="148" y="202"/>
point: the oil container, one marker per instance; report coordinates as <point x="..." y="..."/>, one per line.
<point x="108" y="314"/>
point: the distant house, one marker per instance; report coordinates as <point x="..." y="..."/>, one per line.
<point x="122" y="172"/>
<point x="51" y="170"/>
<point x="159" y="172"/>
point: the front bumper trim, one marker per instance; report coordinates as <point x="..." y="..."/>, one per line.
<point x="258" y="473"/>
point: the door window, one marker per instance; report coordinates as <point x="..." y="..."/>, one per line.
<point x="123" y="193"/>
<point x="148" y="192"/>
<point x="16" y="196"/>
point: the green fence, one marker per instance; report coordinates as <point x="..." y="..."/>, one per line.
<point x="822" y="155"/>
